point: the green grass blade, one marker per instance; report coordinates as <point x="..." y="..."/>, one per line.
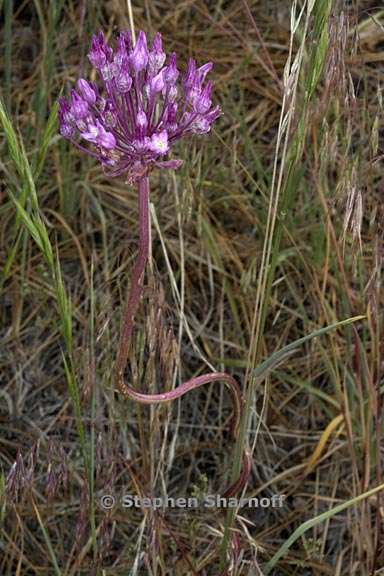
<point x="47" y="136"/>
<point x="8" y="15"/>
<point x="314" y="522"/>
<point x="39" y="233"/>
<point x="47" y="541"/>
<point x="272" y="361"/>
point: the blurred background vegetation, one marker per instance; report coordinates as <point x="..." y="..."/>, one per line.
<point x="67" y="242"/>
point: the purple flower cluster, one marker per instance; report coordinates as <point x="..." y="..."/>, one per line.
<point x="141" y="107"/>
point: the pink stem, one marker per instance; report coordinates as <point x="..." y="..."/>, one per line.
<point x="133" y="300"/>
<point x="136" y="288"/>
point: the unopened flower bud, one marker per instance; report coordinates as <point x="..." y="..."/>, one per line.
<point x="171" y="73"/>
<point x="79" y="107"/>
<point x="200" y="125"/>
<point x="98" y="135"/>
<point x="109" y="71"/>
<point x="157" y="83"/>
<point x="86" y="91"/>
<point x="203" y="102"/>
<point x="141" y="119"/>
<point x="67" y="130"/>
<point x="156" y="57"/>
<point x="139" y="56"/>
<point x="123" y="82"/>
<point x="203" y="71"/>
<point x="98" y="53"/>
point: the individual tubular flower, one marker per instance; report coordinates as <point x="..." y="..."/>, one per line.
<point x="139" y="108"/>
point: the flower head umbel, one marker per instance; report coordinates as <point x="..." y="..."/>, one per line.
<point x="140" y="107"/>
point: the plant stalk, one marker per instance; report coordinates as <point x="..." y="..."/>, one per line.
<point x="135" y="291"/>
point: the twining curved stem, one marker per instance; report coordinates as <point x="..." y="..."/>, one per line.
<point x="133" y="300"/>
<point x="245" y="471"/>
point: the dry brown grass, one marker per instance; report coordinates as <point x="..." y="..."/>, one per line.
<point x="212" y="217"/>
